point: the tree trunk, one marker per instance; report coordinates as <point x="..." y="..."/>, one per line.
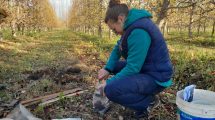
<point x="191" y="20"/>
<point x="85" y="29"/>
<point x="23" y="29"/>
<point x="168" y="29"/>
<point x="1" y="36"/>
<point x="100" y="30"/>
<point x="180" y="28"/>
<point x="13" y="29"/>
<point x="205" y="25"/>
<point x="93" y="30"/>
<point x="100" y="19"/>
<point x="163" y="13"/>
<point x="18" y="27"/>
<point x="198" y="28"/>
<point x="163" y="27"/>
<point x="212" y="33"/>
<point x="199" y="22"/>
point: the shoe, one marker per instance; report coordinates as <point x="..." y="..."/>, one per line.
<point x="141" y="115"/>
<point x="154" y="104"/>
<point x="145" y="114"/>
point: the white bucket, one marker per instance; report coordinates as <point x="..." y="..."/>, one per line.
<point x="201" y="108"/>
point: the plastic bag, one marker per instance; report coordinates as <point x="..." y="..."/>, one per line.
<point x="21" y="113"/>
<point x="188" y="93"/>
<point x="100" y="101"/>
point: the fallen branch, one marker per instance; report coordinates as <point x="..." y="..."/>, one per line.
<point x="48" y="97"/>
<point x="69" y="95"/>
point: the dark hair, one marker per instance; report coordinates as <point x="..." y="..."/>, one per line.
<point x="115" y="9"/>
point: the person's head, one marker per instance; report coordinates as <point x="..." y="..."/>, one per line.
<point x="115" y="16"/>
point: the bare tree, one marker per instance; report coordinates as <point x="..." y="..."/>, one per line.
<point x="100" y="18"/>
<point x="213" y="28"/>
<point x="191" y="19"/>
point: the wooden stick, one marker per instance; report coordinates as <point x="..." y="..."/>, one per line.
<point x="56" y="99"/>
<point x="48" y="97"/>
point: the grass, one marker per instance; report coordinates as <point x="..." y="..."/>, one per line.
<point x="51" y="49"/>
<point x="202" y="40"/>
<point x="100" y="45"/>
<point x="28" y="53"/>
<point x="193" y="59"/>
<point x="24" y="54"/>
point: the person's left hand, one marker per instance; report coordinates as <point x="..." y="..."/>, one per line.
<point x="103" y="74"/>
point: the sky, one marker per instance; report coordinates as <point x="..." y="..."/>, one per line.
<point x="61" y="8"/>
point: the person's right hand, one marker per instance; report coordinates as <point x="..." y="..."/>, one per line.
<point x="103" y="74"/>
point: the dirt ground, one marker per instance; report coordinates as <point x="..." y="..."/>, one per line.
<point x="71" y="73"/>
<point x="52" y="80"/>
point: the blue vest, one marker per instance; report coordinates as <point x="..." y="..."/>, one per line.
<point x="157" y="63"/>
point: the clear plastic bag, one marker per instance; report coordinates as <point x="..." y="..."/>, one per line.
<point x="21" y="113"/>
<point x="100" y="101"/>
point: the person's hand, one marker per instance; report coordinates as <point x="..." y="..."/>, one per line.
<point x="103" y="74"/>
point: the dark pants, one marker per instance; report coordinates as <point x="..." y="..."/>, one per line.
<point x="135" y="91"/>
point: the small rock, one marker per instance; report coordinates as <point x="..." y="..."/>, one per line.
<point x="120" y="117"/>
<point x="23" y="91"/>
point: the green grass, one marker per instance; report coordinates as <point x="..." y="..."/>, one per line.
<point x="202" y="40"/>
<point x="28" y="53"/>
<point x="193" y="59"/>
<point x="100" y="45"/>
